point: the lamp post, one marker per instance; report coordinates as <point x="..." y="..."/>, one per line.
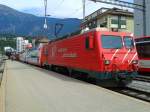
<point x="45" y="23"/>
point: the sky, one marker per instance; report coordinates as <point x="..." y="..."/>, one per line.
<point x="56" y="8"/>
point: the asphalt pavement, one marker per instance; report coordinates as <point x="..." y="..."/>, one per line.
<point x="32" y="89"/>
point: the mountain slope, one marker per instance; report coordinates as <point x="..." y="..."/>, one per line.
<point x="15" y="22"/>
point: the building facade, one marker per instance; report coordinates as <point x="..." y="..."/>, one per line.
<point x="114" y="19"/>
<point x="21" y="44"/>
<point x="142" y="19"/>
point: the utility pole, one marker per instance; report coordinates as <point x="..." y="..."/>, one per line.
<point x="45" y="5"/>
<point x="83" y="9"/>
<point x="144" y="19"/>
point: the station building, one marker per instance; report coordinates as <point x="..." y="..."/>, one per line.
<point x="113" y="19"/>
<point x="142" y="19"/>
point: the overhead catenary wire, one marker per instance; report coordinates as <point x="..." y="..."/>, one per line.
<point x="58" y="5"/>
<point x="121" y="3"/>
<point x="79" y="9"/>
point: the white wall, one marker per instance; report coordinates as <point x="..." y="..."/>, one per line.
<point x="19" y="44"/>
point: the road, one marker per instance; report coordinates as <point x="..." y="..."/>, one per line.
<point x="31" y="89"/>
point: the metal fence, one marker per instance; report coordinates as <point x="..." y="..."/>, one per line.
<point x="2" y="63"/>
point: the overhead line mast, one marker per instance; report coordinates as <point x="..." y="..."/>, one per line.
<point x="83" y="8"/>
<point x="122" y="3"/>
<point x="45" y="5"/>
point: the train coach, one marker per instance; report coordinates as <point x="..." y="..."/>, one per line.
<point x="35" y="56"/>
<point x="143" y="50"/>
<point x="106" y="56"/>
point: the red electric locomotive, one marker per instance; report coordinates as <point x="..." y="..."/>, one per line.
<point x="102" y="55"/>
<point x="143" y="50"/>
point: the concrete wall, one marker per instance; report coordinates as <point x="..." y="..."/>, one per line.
<point x="139" y="21"/>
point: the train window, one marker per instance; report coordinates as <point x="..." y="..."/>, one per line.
<point x="111" y="42"/>
<point x="46" y="51"/>
<point x="143" y="50"/>
<point x="128" y="41"/>
<point x="34" y="54"/>
<point x="89" y="42"/>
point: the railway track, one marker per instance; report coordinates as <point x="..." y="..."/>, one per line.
<point x="142" y="95"/>
<point x="143" y="78"/>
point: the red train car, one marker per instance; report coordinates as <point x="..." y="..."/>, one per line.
<point x="44" y="55"/>
<point x="143" y="49"/>
<point x="98" y="54"/>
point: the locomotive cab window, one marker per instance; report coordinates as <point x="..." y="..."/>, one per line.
<point x="111" y="42"/>
<point x="128" y="42"/>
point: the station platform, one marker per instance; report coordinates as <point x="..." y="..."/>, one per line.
<point x="32" y="89"/>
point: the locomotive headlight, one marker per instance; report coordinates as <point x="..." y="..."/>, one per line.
<point x="135" y="61"/>
<point x="107" y="62"/>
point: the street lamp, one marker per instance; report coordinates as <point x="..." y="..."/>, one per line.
<point x="45" y="23"/>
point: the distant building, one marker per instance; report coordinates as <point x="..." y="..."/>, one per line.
<point x="26" y="43"/>
<point x="114" y="19"/>
<point x="37" y="40"/>
<point x="21" y="44"/>
<point x="142" y="23"/>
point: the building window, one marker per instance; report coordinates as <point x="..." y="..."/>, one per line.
<point x="118" y="22"/>
<point x="93" y="24"/>
<point x="114" y="22"/>
<point x="103" y="24"/>
<point x="123" y="22"/>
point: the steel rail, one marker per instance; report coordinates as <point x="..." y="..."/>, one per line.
<point x="141" y="95"/>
